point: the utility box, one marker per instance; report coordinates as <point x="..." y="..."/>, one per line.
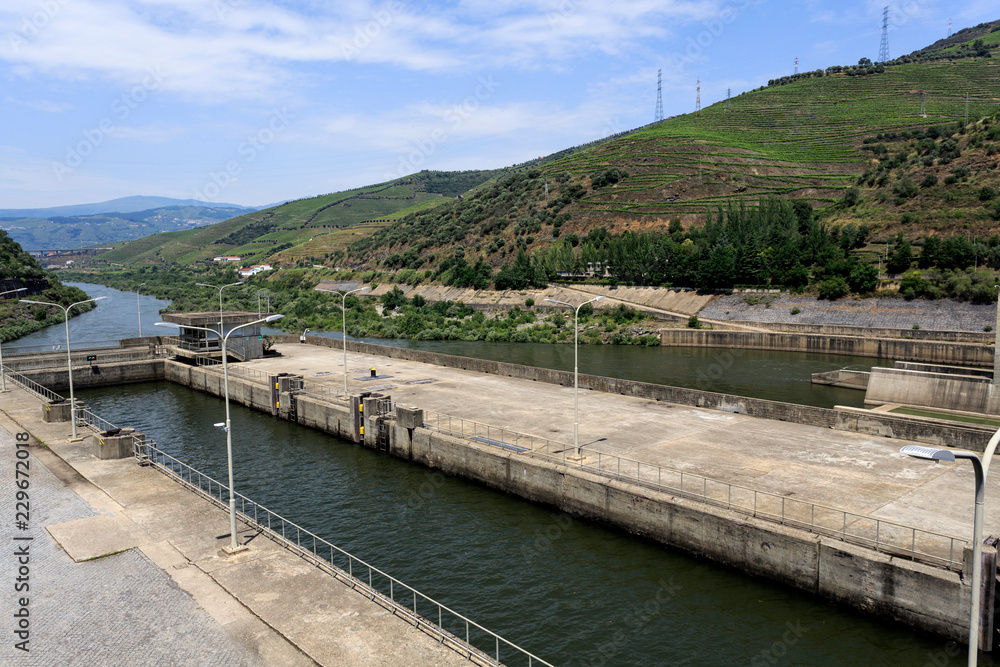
<point x="57" y="411"/>
<point x="116" y="445"/>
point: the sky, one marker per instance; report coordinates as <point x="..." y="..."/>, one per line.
<point x="259" y="101"/>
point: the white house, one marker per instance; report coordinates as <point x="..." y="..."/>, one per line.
<point x="253" y="270"/>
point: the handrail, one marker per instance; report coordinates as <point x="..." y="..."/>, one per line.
<point x="879" y="534"/>
<point x="34" y="362"/>
<point x="371" y="581"/>
<point x="33" y="387"/>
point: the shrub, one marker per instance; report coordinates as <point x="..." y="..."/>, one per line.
<point x="833" y="288"/>
<point x="930" y="180"/>
<point x="795" y="310"/>
<point x="915" y="327"/>
<point x="986" y="193"/>
<point x="529" y="302"/>
<point x="988" y="328"/>
<point x="694" y="322"/>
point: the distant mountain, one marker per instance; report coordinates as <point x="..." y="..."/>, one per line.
<point x="121" y="205"/>
<point x="68" y="232"/>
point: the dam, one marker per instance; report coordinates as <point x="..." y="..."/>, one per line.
<point x="804" y="468"/>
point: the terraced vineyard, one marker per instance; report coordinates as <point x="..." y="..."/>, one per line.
<point x="799" y="140"/>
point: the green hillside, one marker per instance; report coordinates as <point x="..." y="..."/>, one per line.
<point x="316" y="222"/>
<point x="19" y="270"/>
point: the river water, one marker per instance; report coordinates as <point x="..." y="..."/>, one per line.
<point x="572" y="591"/>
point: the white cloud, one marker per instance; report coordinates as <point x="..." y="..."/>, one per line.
<point x="40" y="105"/>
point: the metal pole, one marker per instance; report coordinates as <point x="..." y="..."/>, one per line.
<point x="977" y="561"/>
<point x="576" y="381"/>
<point x="69" y="367"/>
<point x="343" y="311"/>
<point x="233" y="544"/>
<point x="138" y="308"/>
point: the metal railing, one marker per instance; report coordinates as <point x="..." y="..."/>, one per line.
<point x="34" y="362"/>
<point x="86" y="417"/>
<point x="864" y="530"/>
<point x="464" y="635"/>
<point x="32" y="387"/>
<point x="252" y="374"/>
<point x="14" y="350"/>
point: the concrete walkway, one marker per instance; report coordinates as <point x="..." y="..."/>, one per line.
<point x="853" y="472"/>
<point x="126" y="568"/>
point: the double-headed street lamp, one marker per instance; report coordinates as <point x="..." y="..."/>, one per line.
<point x="220" y="288"/>
<point x="233" y="543"/>
<point x="981" y="468"/>
<point x="69" y="357"/>
<point x="576" y="368"/>
<point x="3" y="377"/>
<point x="343" y="308"/>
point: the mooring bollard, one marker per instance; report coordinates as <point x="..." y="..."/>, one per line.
<point x="373" y="371"/>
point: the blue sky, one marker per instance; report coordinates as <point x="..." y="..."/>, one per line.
<point x="257" y="101"/>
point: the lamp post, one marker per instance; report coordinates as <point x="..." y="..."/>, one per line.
<point x="3" y="376"/>
<point x="981" y="468"/>
<point x="220" y="296"/>
<point x="138" y="308"/>
<point x="69" y="357"/>
<point x="343" y="309"/>
<point x="576" y="369"/>
<point x="233" y="543"/>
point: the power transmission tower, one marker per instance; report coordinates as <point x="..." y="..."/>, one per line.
<point x="923" y="100"/>
<point x="883" y="51"/>
<point x="658" y="116"/>
<point x="697" y="100"/>
<point x="966" y="108"/>
<point x="796" y="64"/>
<point x="729" y="97"/>
<point x="949" y="27"/>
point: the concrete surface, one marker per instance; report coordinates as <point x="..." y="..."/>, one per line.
<point x="849" y="471"/>
<point x="172" y="596"/>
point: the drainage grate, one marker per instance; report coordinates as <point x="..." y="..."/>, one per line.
<point x="427" y="381"/>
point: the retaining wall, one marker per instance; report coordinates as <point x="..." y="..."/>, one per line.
<point x="98" y="375"/>
<point x="944" y="391"/>
<point x="980" y="338"/>
<point x="935" y="352"/>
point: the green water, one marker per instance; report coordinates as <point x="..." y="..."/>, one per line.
<point x="567" y="589"/>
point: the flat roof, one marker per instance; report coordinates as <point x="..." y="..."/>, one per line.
<point x="211" y="318"/>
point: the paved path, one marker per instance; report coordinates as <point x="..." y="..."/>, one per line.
<point x="127" y="569"/>
<point x="854" y="472"/>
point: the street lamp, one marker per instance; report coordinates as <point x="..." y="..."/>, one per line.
<point x="981" y="468"/>
<point x="69" y="358"/>
<point x="576" y="369"/>
<point x="3" y="377"/>
<point x="220" y="295"/>
<point x="233" y="544"/>
<point x="138" y="309"/>
<point x="343" y="309"/>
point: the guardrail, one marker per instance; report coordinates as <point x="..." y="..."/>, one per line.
<point x="479" y="644"/>
<point x="32" y="387"/>
<point x="34" y="362"/>
<point x="13" y="350"/>
<point x="86" y="417"/>
<point x="885" y="536"/>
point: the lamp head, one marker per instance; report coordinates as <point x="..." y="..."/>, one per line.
<point x="165" y="324"/>
<point x="275" y="318"/>
<point x="928" y="453"/>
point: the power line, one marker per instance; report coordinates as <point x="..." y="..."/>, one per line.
<point x="883" y="52"/>
<point x="658" y="116"/>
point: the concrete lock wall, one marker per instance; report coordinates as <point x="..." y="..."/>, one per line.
<point x="916" y="594"/>
<point x="57" y="379"/>
<point x="933" y="390"/>
<point x="922" y="596"/>
<point x="977" y="337"/>
<point x="938" y="352"/>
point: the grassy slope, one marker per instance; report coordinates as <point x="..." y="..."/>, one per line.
<point x="798" y="140"/>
